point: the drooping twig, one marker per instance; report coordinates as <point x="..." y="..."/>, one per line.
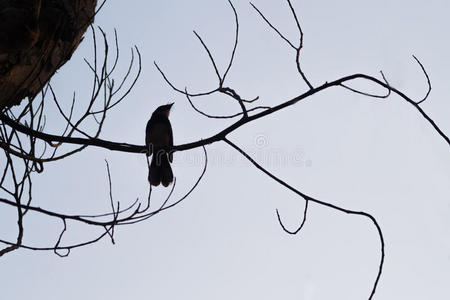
<point x="56" y="248"/>
<point x="388" y="93"/>
<point x="428" y="81"/>
<point x="322" y="203"/>
<point x="294" y="232"/>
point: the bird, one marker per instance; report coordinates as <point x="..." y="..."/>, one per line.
<point x="159" y="141"/>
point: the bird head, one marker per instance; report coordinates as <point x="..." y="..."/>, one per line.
<point x="163" y="109"/>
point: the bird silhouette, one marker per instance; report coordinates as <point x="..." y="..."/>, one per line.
<point x="159" y="141"/>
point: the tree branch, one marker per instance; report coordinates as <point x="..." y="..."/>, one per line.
<point x="322" y="203"/>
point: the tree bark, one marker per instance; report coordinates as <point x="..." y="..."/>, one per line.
<point x="52" y="39"/>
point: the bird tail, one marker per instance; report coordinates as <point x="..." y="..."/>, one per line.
<point x="160" y="170"/>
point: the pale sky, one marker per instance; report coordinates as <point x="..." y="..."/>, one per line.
<point x="224" y="241"/>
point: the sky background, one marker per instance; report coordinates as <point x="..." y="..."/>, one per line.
<point x="224" y="241"/>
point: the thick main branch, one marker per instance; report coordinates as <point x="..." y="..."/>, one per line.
<point x="131" y="148"/>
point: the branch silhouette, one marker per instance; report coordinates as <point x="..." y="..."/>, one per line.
<point x="131" y="148"/>
<point x="319" y="202"/>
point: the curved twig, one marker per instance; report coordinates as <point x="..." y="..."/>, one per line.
<point x="428" y="81"/>
<point x="297" y="49"/>
<point x="163" y="207"/>
<point x="388" y="93"/>
<point x="209" y="55"/>
<point x="305" y="212"/>
<point x="179" y="90"/>
<point x="56" y="248"/>
<point x="236" y="37"/>
<point x="221" y="116"/>
<point x="322" y="203"/>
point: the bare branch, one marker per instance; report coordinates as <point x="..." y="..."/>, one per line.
<point x="297" y="49"/>
<point x="273" y="27"/>
<point x="162" y="208"/>
<point x="322" y="203"/>
<point x="123" y="147"/>
<point x="179" y="90"/>
<point x="56" y="248"/>
<point x="428" y="81"/>
<point x="137" y="216"/>
<point x="388" y="93"/>
<point x="210" y="56"/>
<point x="236" y="37"/>
<point x="222" y="116"/>
<point x="305" y="211"/>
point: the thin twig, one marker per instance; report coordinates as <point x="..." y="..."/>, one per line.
<point x="388" y="90"/>
<point x="210" y="56"/>
<point x="322" y="203"/>
<point x="294" y="232"/>
<point x="428" y="81"/>
<point x="236" y="38"/>
<point x="273" y="27"/>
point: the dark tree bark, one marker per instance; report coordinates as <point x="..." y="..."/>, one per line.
<point x="37" y="37"/>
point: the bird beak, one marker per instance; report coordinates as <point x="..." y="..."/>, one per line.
<point x="170" y="107"/>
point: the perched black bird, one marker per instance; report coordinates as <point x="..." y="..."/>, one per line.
<point x="159" y="139"/>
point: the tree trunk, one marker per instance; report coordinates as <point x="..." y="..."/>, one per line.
<point x="37" y="37"/>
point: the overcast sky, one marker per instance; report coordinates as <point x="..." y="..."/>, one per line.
<point x="224" y="241"/>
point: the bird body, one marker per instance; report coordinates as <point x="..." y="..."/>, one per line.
<point x="159" y="141"/>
